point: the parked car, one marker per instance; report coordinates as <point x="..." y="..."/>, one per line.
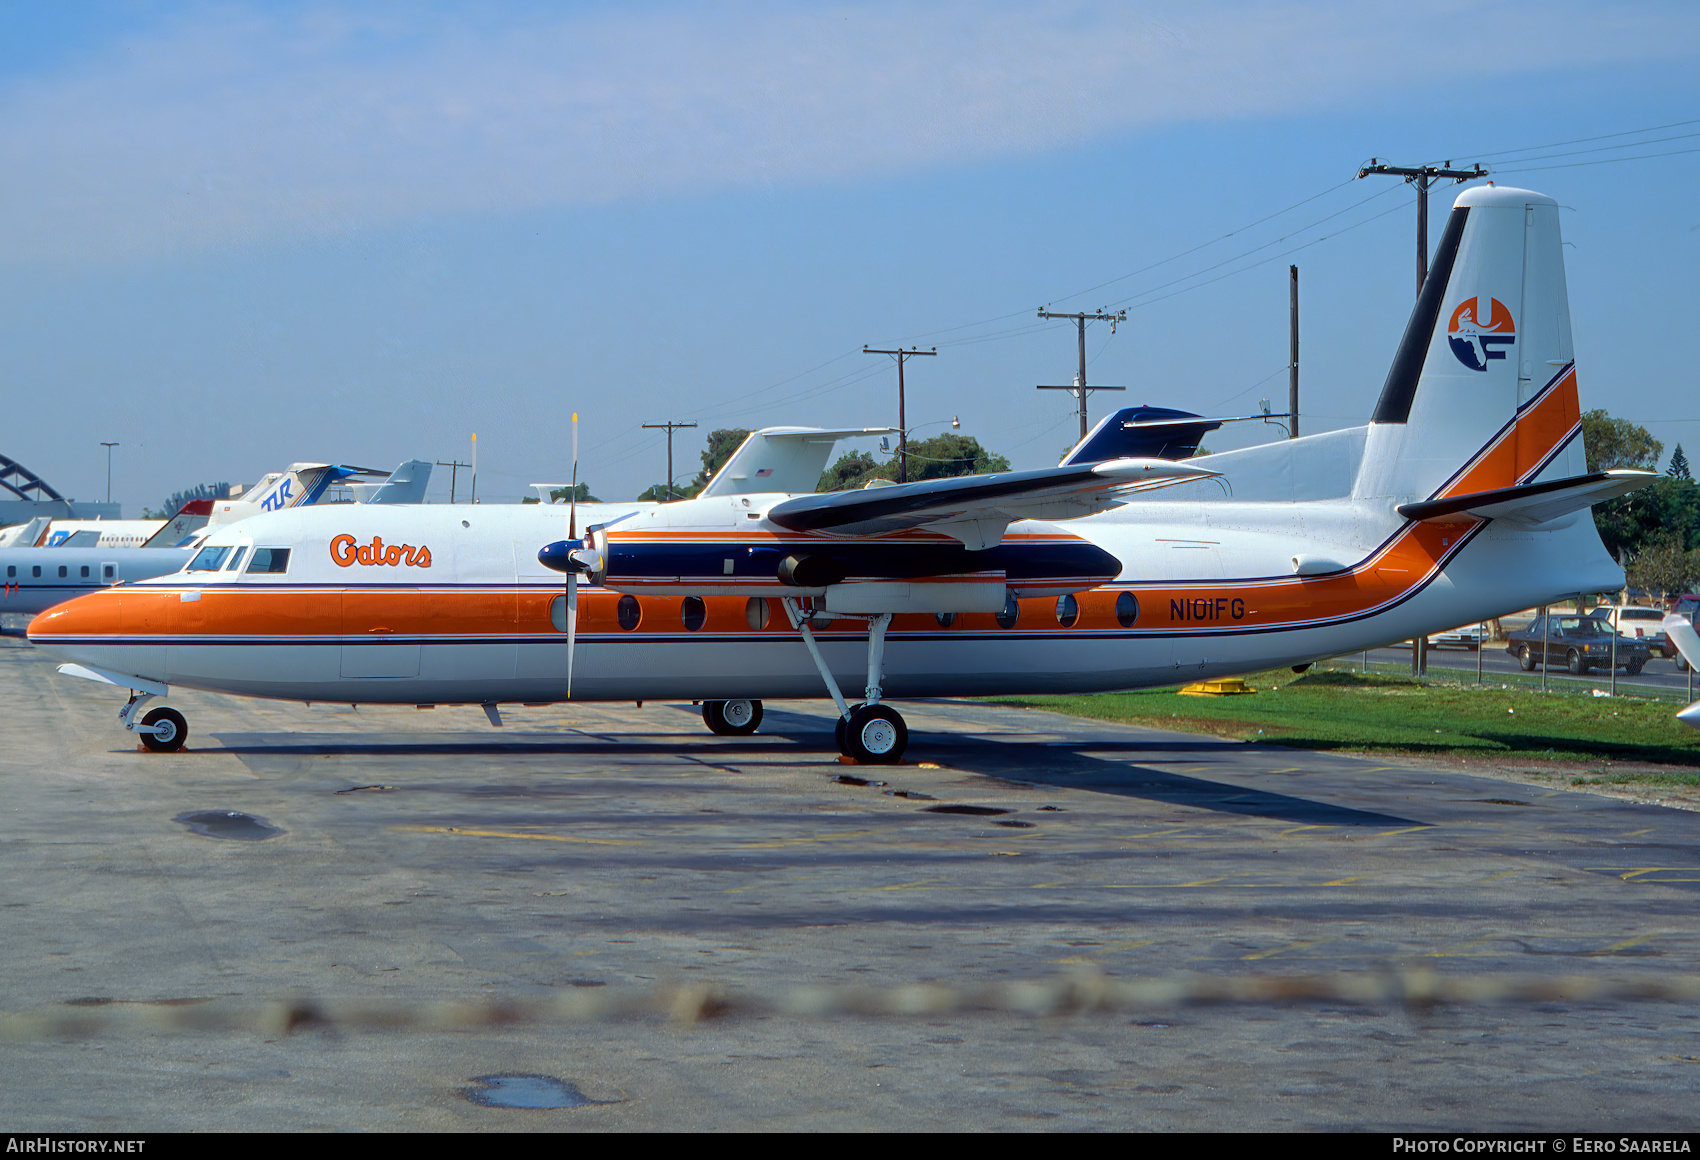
<point x="1465" y="636"/>
<point x="1640" y="622"/>
<point x="1581" y="643"/>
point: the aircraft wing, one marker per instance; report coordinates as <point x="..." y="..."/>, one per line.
<point x="1532" y="503"/>
<point x="976" y="509"/>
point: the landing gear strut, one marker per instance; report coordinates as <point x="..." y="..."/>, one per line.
<point x="872" y="733"/>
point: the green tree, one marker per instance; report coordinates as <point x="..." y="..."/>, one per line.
<point x="658" y="492"/>
<point x="1678" y="468"/>
<point x="1665" y="567"/>
<point x="1668" y="512"/>
<point x="940" y="457"/>
<point x="853" y="469"/>
<point x="951" y="454"/>
<point x="721" y="444"/>
<point x="1613" y="442"/>
<point x="562" y="494"/>
<point x="175" y="501"/>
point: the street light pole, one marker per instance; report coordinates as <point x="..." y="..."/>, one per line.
<point x="109" y="447"/>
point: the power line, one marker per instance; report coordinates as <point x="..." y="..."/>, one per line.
<point x="1601" y="161"/>
<point x="1489" y="156"/>
<point x="1608" y="148"/>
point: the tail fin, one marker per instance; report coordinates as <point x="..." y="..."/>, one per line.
<point x="1142" y="433"/>
<point x="1482" y="392"/>
<point x="190" y="518"/>
<point x="406" y="484"/>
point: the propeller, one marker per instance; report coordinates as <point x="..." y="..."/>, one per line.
<point x="574" y="557"/>
<point x="572" y="575"/>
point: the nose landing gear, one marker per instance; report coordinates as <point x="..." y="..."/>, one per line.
<point x="162" y="730"/>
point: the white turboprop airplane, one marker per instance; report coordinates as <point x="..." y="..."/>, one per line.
<point x="1464" y="497"/>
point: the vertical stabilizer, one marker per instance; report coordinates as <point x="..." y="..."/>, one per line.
<point x="1483" y="378"/>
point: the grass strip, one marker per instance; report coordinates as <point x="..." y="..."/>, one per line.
<point x="1352" y="712"/>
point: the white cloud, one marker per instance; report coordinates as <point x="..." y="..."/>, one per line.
<point x="246" y="126"/>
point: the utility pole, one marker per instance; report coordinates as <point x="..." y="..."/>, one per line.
<point x="1421" y="176"/>
<point x="1293" y="368"/>
<point x="1079" y="387"/>
<point x="454" y="467"/>
<point x="902" y="420"/>
<point x="475" y="467"/>
<point x="669" y="427"/>
<point x="109" y="447"/>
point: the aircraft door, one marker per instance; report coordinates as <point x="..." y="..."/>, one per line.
<point x="380" y="633"/>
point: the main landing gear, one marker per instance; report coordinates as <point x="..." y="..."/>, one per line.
<point x="162" y="730"/>
<point x="869" y="732"/>
<point x="731" y="718"/>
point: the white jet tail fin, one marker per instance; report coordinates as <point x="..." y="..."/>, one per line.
<point x="406" y="484"/>
<point x="1482" y="392"/>
<point x="1681" y="632"/>
<point x="782" y="459"/>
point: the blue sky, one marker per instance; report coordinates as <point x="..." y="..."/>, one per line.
<point x="232" y="236"/>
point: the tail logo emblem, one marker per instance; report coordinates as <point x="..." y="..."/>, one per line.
<point x="1478" y="338"/>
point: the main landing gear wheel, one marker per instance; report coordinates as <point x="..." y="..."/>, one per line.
<point x="731" y="718"/>
<point x="875" y="734"/>
<point x="838" y="728"/>
<point x="169" y="733"/>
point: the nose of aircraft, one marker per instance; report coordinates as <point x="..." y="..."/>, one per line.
<point x="96" y="614"/>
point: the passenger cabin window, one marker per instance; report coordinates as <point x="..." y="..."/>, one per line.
<point x="209" y="559"/>
<point x="64" y="571"/>
<point x="85" y="571"/>
<point x="109" y="571"/>
<point x="269" y="560"/>
<point x="235" y="564"/>
<point x="11" y="570"/>
<point x="35" y="570"/>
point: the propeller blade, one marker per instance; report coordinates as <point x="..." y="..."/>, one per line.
<point x="572" y="627"/>
<point x="572" y="496"/>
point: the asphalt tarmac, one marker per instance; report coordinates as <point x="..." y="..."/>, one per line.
<point x="425" y="855"/>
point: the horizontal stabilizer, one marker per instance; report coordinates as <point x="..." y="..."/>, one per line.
<point x="977" y="508"/>
<point x="1532" y="503"/>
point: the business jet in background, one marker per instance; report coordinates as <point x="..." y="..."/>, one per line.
<point x="33" y="579"/>
<point x="1465" y="496"/>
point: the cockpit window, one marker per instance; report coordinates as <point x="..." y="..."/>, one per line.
<point x="272" y="560"/>
<point x="236" y="561"/>
<point x="209" y="559"/>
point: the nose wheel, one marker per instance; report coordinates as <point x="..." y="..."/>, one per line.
<point x="164" y="730"/>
